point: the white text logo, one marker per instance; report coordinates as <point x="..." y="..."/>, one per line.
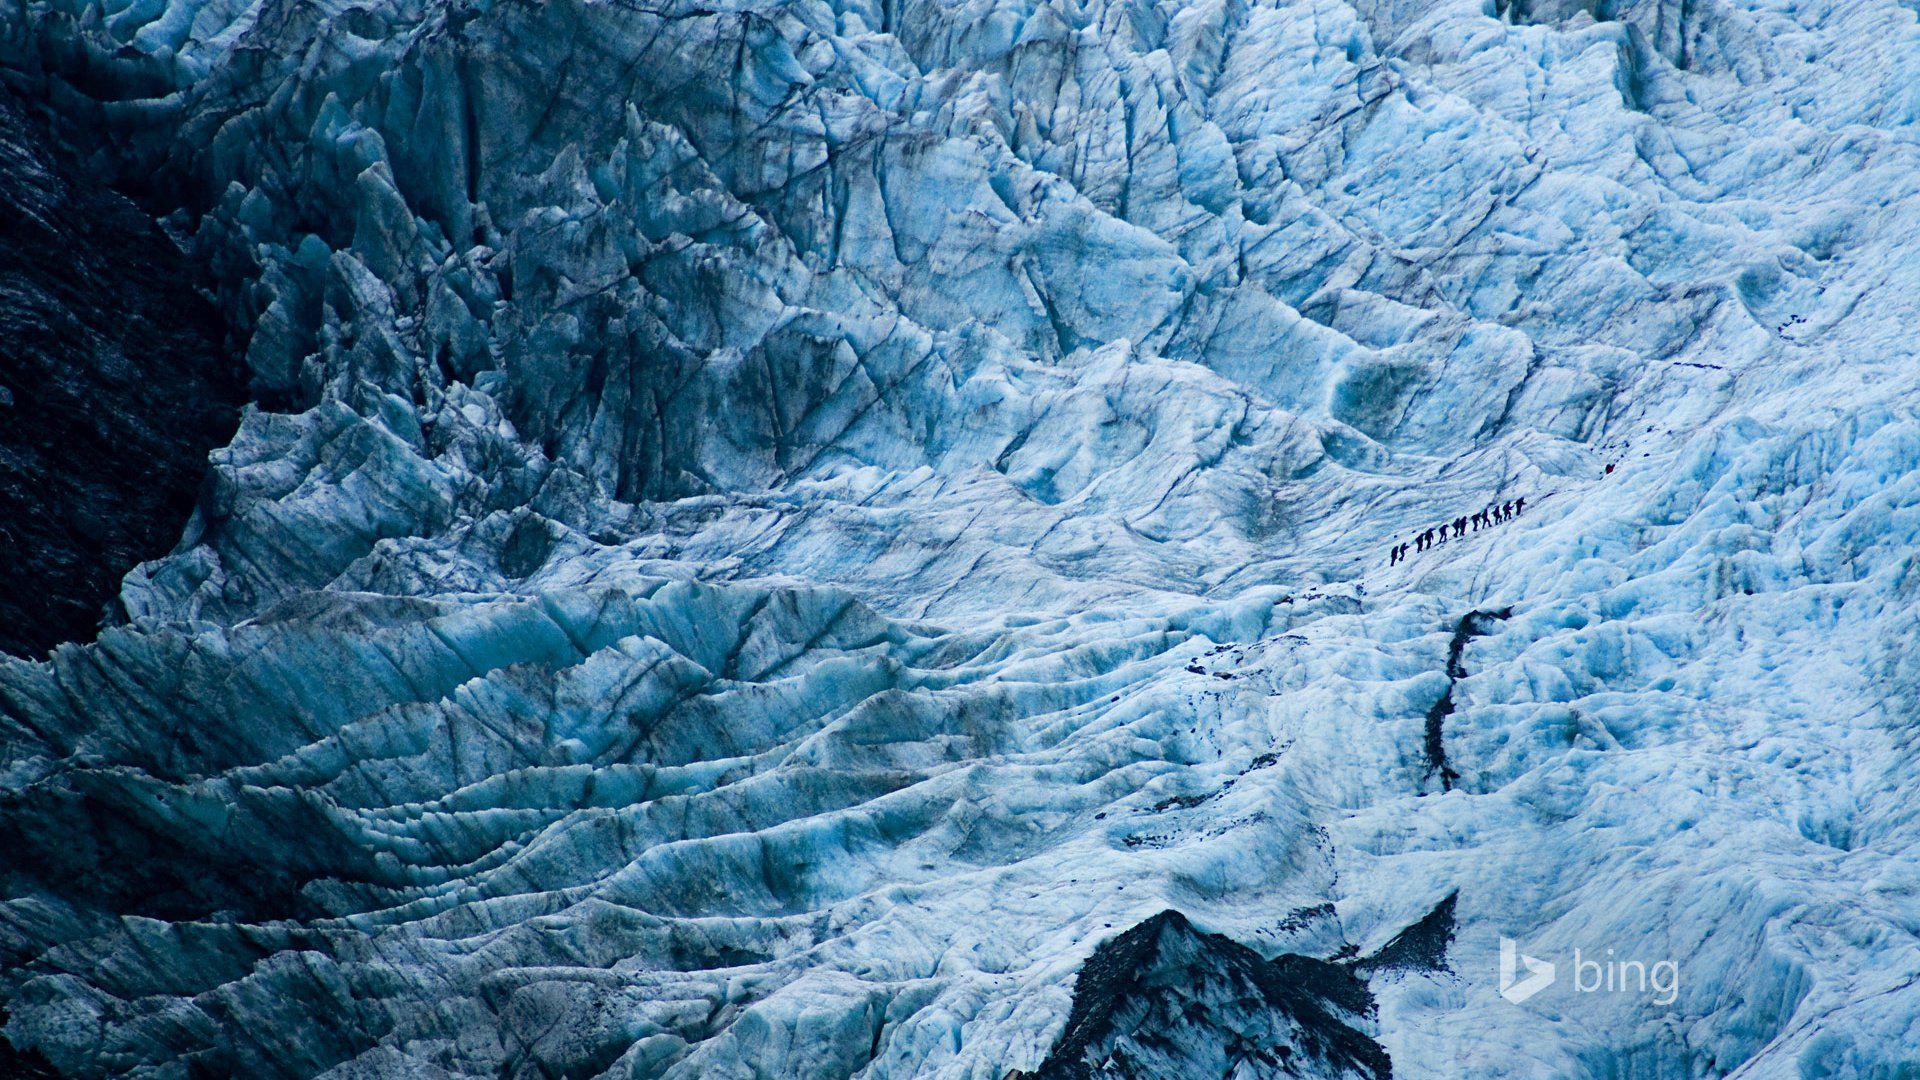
<point x="1661" y="978"/>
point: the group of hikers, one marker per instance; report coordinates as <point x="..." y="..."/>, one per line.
<point x="1485" y="519"/>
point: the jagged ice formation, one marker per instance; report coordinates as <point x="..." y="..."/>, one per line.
<point x="770" y="533"/>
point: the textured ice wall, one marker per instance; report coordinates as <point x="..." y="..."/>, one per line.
<point x="772" y="531"/>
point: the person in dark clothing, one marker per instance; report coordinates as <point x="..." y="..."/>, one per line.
<point x="1442" y="530"/>
<point x="1393" y="554"/>
<point x="1519" y="504"/>
<point x="1459" y="527"/>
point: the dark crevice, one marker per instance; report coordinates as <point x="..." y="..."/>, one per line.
<point x="1471" y="625"/>
<point x="18" y="1064"/>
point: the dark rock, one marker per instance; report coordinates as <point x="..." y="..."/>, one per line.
<point x="1165" y="999"/>
<point x="1420" y="947"/>
<point x="18" y="1064"/>
<point x="115" y="387"/>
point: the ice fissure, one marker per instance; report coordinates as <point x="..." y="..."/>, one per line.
<point x="1471" y="625"/>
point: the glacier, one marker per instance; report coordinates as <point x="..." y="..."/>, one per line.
<point x="849" y="538"/>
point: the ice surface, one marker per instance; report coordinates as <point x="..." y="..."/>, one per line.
<point x="771" y="533"/>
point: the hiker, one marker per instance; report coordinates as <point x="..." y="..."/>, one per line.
<point x="1393" y="554"/>
<point x="1443" y="532"/>
<point x="1519" y="504"/>
<point x="1506" y="511"/>
<point x="1459" y="527"/>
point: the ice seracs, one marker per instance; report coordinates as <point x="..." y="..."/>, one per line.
<point x="771" y="539"/>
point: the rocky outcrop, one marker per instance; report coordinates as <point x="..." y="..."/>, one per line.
<point x="1165" y="999"/>
<point x="114" y="387"/>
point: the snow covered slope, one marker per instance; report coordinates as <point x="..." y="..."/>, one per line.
<point x="783" y="537"/>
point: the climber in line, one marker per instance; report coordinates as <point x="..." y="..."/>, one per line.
<point x="1495" y="514"/>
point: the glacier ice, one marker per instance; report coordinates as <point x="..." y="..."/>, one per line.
<point x="782" y="538"/>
